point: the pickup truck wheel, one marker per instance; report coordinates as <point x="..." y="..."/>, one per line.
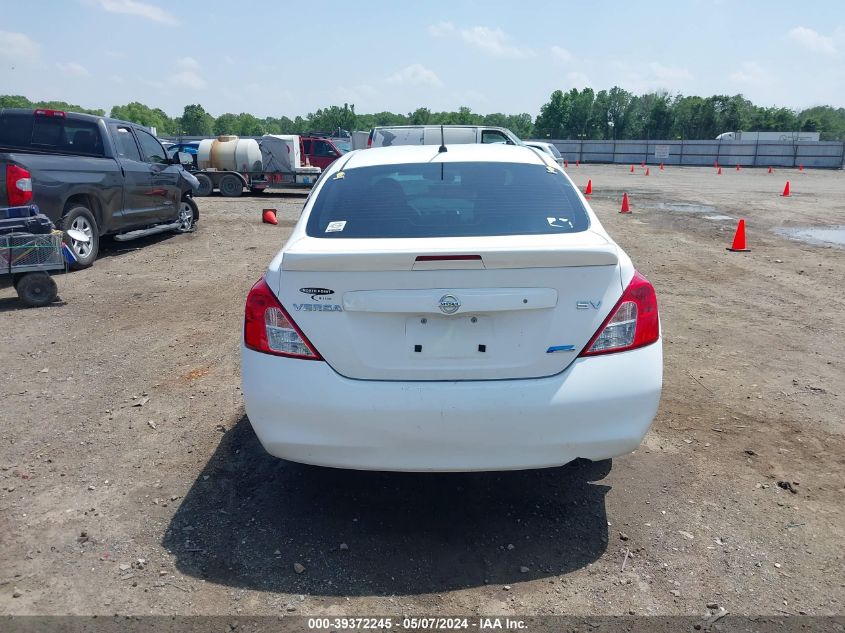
<point x="37" y="289"/>
<point x="188" y="214"/>
<point x="231" y="186"/>
<point x="206" y="186"/>
<point x="81" y="219"/>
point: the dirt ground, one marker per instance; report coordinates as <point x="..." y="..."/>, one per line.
<point x="132" y="483"/>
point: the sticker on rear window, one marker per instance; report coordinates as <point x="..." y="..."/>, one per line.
<point x="560" y="223"/>
<point x="334" y="227"/>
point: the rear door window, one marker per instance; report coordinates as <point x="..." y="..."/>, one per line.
<point x="446" y="200"/>
<point x="126" y="146"/>
<point x="50" y="133"/>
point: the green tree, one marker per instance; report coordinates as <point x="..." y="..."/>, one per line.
<point x="281" y="125"/>
<point x="144" y="115"/>
<point x="659" y="116"/>
<point x="248" y="125"/>
<point x="580" y="111"/>
<point x="226" y="123"/>
<point x="554" y="117"/>
<point x="829" y="122"/>
<point x="333" y="118"/>
<point x="618" y="102"/>
<point x="195" y="121"/>
<point x="15" y="101"/>
<point x="420" y="116"/>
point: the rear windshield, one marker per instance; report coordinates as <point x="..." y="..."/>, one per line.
<point x="446" y="200"/>
<point x="46" y="133"/>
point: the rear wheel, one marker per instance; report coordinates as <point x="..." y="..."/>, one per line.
<point x="231" y="186"/>
<point x="81" y="221"/>
<point x="37" y="289"/>
<point x="206" y="186"/>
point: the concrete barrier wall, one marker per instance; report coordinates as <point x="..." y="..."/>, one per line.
<point x="822" y="154"/>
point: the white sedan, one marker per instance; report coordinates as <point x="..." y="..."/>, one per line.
<point x="454" y="310"/>
<point x="547" y="148"/>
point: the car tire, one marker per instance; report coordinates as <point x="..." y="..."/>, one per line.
<point x="206" y="186"/>
<point x="231" y="186"/>
<point x="81" y="219"/>
<point x="189" y="213"/>
<point x="37" y="289"/>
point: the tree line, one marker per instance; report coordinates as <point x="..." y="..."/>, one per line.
<point x="619" y="114"/>
<point x="584" y="114"/>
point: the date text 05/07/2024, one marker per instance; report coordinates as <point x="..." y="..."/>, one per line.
<point x="417" y="624"/>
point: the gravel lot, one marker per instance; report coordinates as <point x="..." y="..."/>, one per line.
<point x="131" y="482"/>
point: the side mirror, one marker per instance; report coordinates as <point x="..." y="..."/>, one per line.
<point x="184" y="158"/>
<point x="333" y="153"/>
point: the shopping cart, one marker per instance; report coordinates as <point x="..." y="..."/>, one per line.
<point x="27" y="259"/>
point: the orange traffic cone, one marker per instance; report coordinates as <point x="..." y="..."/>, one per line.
<point x="632" y="169"/>
<point x="269" y="216"/>
<point x="626" y="208"/>
<point x="647" y="172"/>
<point x="800" y="167"/>
<point x="565" y="163"/>
<point x="737" y="166"/>
<point x="589" y="190"/>
<point x="770" y="169"/>
<point x="661" y="166"/>
<point x="716" y="164"/>
<point x="719" y="171"/>
<point x="738" y="245"/>
<point x="785" y="193"/>
<point x="577" y="163"/>
<point x="642" y="164"/>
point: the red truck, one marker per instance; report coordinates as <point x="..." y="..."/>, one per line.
<point x="320" y="151"/>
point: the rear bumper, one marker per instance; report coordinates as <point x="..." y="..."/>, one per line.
<point x="600" y="407"/>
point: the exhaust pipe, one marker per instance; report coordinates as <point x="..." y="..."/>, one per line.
<point x="153" y="230"/>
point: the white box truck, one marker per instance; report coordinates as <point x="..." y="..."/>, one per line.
<point x="753" y="137"/>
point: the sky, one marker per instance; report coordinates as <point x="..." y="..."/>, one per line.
<point x="274" y="59"/>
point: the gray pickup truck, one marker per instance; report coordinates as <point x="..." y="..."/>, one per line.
<point x="96" y="175"/>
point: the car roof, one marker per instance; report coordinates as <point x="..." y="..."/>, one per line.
<point x="76" y="116"/>
<point x="434" y="126"/>
<point x="463" y="152"/>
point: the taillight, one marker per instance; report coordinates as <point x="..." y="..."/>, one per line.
<point x="18" y="185"/>
<point x="47" y="112"/>
<point x="268" y="328"/>
<point x="632" y="323"/>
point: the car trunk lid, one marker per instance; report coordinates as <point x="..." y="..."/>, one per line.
<point x="477" y="308"/>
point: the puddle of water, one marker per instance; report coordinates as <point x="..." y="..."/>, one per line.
<point x="683" y="207"/>
<point x="718" y="218"/>
<point x="820" y="235"/>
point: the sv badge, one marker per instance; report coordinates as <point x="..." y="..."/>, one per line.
<point x="587" y="305"/>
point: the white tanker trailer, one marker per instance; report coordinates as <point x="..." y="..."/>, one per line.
<point x="232" y="164"/>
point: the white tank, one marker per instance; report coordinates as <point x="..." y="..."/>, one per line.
<point x="229" y="153"/>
